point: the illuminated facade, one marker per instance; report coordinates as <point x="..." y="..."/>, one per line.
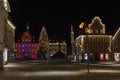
<point x="116" y="45"/>
<point x="26" y="48"/>
<point x="43" y="44"/>
<point x="49" y="48"/>
<point x="96" y="44"/>
<point x="54" y="47"/>
<point x="6" y="32"/>
<point x="10" y="44"/>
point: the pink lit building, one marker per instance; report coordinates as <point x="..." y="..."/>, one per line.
<point x="26" y="47"/>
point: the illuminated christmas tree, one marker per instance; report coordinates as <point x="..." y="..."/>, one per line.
<point x="43" y="44"/>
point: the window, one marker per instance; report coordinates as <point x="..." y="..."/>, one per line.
<point x="86" y="56"/>
<point x="106" y="56"/>
<point x="96" y="31"/>
<point x="101" y="56"/>
<point x="101" y="31"/>
<point x="91" y="30"/>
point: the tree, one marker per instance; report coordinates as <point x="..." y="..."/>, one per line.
<point x="43" y="44"/>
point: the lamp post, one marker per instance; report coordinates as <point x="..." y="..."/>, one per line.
<point x="88" y="53"/>
<point x="87" y="31"/>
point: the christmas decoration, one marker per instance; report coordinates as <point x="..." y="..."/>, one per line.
<point x="43" y="44"/>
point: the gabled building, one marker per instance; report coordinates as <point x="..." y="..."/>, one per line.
<point x="94" y="46"/>
<point x="26" y="47"/>
<point x="116" y="45"/>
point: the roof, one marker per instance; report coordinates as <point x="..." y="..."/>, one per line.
<point x="59" y="55"/>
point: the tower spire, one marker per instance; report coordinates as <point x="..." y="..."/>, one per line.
<point x="43" y="34"/>
<point x="72" y="34"/>
<point x="28" y="26"/>
<point x="72" y="41"/>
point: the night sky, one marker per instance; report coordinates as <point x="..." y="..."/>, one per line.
<point x="58" y="16"/>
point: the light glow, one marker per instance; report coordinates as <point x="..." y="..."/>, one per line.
<point x="9" y="22"/>
<point x="33" y="56"/>
<point x="22" y="50"/>
<point x="86" y="56"/>
<point x="22" y="45"/>
<point x="104" y="71"/>
<point x="81" y="25"/>
<point x="101" y="56"/>
<point x="33" y="50"/>
<point x="26" y="34"/>
<point x="116" y="56"/>
<point x="22" y="40"/>
<point x="26" y="54"/>
<point x="106" y="56"/>
<point x="5" y="54"/>
<point x="51" y="73"/>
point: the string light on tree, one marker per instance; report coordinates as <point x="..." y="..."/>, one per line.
<point x="43" y="44"/>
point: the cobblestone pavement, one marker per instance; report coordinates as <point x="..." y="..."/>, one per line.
<point x="50" y="71"/>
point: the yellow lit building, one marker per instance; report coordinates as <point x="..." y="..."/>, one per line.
<point x="10" y="44"/>
<point x="7" y="32"/>
<point x="54" y="47"/>
<point x="95" y="46"/>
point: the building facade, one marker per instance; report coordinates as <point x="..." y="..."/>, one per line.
<point x="47" y="48"/>
<point x="95" y="46"/>
<point x="54" y="48"/>
<point x="6" y="31"/>
<point x="10" y="44"/>
<point x="116" y="45"/>
<point x="26" y="48"/>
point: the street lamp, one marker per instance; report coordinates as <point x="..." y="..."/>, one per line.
<point x="87" y="31"/>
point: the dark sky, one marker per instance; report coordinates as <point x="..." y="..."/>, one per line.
<point x="57" y="16"/>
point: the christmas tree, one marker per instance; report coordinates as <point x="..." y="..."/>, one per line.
<point x="43" y="44"/>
